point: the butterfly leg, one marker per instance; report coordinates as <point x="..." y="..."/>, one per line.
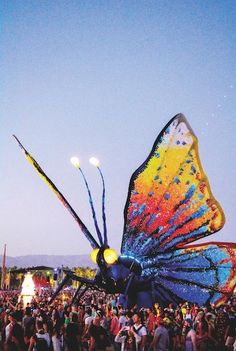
<point x="78" y="296"/>
<point x="124" y="298"/>
<point x="71" y="275"/>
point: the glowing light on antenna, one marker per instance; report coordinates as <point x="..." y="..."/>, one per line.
<point x="75" y="162"/>
<point x="94" y="161"/>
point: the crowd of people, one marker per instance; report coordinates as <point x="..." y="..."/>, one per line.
<point x="97" y="323"/>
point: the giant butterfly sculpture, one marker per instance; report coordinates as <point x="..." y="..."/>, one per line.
<point x="169" y="206"/>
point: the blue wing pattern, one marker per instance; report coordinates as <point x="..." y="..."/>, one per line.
<point x="199" y="273"/>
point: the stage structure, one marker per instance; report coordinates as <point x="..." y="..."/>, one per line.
<point x="42" y="277"/>
<point x="169" y="206"/>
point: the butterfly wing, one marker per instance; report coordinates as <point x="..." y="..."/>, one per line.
<point x="169" y="200"/>
<point x="199" y="273"/>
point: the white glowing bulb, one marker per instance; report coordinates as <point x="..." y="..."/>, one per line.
<point x="75" y="161"/>
<point x="94" y="161"/>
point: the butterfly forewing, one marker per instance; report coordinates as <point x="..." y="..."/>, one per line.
<point x="169" y="200"/>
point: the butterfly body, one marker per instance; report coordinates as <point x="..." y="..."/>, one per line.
<point x="169" y="206"/>
<point x="114" y="277"/>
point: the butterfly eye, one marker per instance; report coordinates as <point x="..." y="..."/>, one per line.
<point x="110" y="256"/>
<point x="93" y="255"/>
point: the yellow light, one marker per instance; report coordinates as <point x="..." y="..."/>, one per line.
<point x="110" y="256"/>
<point x="94" y="161"/>
<point x="75" y="162"/>
<point x="93" y="255"/>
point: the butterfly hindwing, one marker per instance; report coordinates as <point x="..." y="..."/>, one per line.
<point x="169" y="201"/>
<point x="199" y="273"/>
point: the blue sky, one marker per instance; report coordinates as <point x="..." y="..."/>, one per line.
<point x="103" y="78"/>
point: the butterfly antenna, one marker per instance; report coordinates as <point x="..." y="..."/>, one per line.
<point x="95" y="163"/>
<point x="76" y="164"/>
<point x="60" y="196"/>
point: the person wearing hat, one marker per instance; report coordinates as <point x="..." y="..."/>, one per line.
<point x="161" y="340"/>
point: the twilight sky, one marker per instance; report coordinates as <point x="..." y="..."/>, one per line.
<point x="102" y="78"/>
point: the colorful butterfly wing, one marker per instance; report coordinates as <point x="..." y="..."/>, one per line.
<point x="169" y="201"/>
<point x="199" y="273"/>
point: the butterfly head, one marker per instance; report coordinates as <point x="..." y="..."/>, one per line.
<point x="114" y="271"/>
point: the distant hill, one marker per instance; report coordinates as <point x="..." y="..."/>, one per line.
<point x="49" y="260"/>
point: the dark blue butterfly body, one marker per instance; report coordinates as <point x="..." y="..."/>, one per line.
<point x="125" y="277"/>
